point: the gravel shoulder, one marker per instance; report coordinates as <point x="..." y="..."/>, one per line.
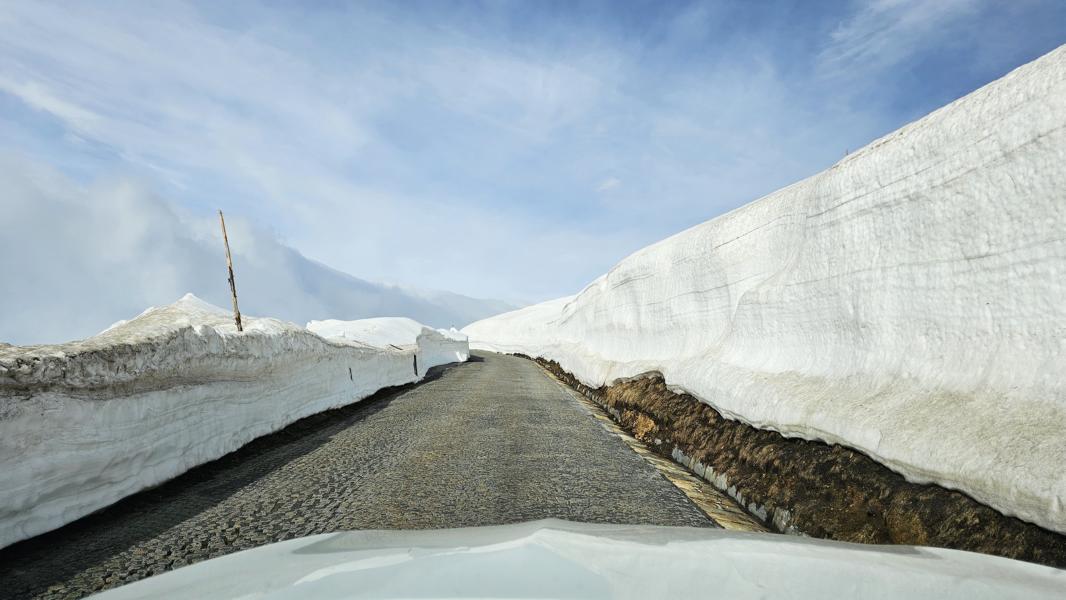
<point x="487" y="442"/>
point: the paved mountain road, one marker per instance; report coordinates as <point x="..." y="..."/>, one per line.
<point x="486" y="442"/>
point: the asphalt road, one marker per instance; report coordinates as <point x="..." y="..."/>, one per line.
<point x="486" y="442"/>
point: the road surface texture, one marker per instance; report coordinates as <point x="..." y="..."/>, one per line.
<point x="491" y="441"/>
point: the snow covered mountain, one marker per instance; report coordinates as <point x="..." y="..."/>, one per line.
<point x="907" y="302"/>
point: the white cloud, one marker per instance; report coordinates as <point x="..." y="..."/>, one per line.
<point x="884" y="33"/>
<point x="608" y="184"/>
<point x="78" y="258"/>
<point x="36" y="96"/>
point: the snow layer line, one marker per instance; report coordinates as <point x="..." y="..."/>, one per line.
<point x="907" y="302"/>
<point x="87" y="423"/>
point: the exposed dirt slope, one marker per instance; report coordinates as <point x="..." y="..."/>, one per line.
<point x="814" y="488"/>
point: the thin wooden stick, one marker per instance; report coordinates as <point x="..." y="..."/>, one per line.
<point x="229" y="265"/>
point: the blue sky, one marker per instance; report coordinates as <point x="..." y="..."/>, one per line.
<point x="497" y="149"/>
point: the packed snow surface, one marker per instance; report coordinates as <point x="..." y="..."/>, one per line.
<point x="86" y="423"/>
<point x="557" y="559"/>
<point x="907" y="302"/>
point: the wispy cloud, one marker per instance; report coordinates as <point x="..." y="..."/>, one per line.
<point x="37" y="97"/>
<point x="884" y="33"/>
<point x="608" y="184"/>
<point x="305" y="145"/>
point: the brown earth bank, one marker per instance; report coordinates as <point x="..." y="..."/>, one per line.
<point x="813" y="488"/>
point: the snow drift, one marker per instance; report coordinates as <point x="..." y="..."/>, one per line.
<point x="907" y="302"/>
<point x="86" y="423"/>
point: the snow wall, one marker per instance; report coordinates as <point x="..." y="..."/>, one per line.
<point x="908" y="302"/>
<point x="436" y="346"/>
<point x="86" y="423"/>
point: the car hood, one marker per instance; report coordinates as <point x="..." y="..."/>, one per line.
<point x="560" y="559"/>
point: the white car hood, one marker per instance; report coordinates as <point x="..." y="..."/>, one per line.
<point x="559" y="559"/>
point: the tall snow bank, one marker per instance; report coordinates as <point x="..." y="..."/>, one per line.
<point x="435" y="346"/>
<point x="907" y="302"/>
<point x="86" y="423"/>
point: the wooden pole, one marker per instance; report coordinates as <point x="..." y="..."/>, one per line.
<point x="229" y="265"/>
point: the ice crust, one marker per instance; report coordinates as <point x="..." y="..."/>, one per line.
<point x="906" y="302"/>
<point x="86" y="423"/>
<point x="557" y="559"/>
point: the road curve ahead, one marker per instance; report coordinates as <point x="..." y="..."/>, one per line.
<point x="486" y="442"/>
